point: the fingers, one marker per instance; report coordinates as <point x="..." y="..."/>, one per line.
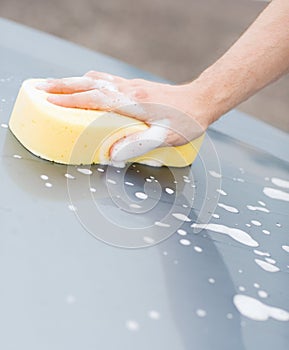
<point x="67" y="85"/>
<point x="140" y="143"/>
<point x="94" y="99"/>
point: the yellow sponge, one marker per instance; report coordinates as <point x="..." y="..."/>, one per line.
<point x="78" y="136"/>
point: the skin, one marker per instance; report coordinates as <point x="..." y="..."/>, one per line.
<point x="259" y="57"/>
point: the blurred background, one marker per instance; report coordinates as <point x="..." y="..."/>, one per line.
<point x="172" y="39"/>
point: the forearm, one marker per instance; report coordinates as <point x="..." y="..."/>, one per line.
<point x="259" y="57"/>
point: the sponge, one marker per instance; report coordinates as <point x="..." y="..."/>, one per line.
<point x="79" y="136"/>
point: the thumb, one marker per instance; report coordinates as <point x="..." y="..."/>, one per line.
<point x="139" y="143"/>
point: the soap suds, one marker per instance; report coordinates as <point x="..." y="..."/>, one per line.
<point x="253" y="208"/>
<point x="185" y="242"/>
<point x="237" y="234"/>
<point x="270" y="260"/>
<point x="17" y="156"/>
<point x="276" y="194"/>
<point x="280" y="182"/>
<point x="44" y="177"/>
<point x="140" y="143"/>
<point x="228" y="208"/>
<point x="169" y="190"/>
<point x="182" y="232"/>
<point x="181" y="217"/>
<point x="222" y="192"/>
<point x="259" y="252"/>
<point x="84" y="171"/>
<point x="215" y="174"/>
<point x="161" y="224"/>
<point x="258" y="311"/>
<point x="266" y="266"/>
<point x="262" y="294"/>
<point x="69" y="176"/>
<point x="256" y="222"/>
<point x="141" y="195"/>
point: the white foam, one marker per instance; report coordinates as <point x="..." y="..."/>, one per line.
<point x="215" y="174"/>
<point x="140" y="143"/>
<point x="185" y="242"/>
<point x="276" y="194"/>
<point x="111" y="181"/>
<point x="84" y="171"/>
<point x="256" y="222"/>
<point x="182" y="232"/>
<point x="256" y="285"/>
<point x="216" y="216"/>
<point x="181" y="217"/>
<point x="228" y="208"/>
<point x="17" y="156"/>
<point x="44" y="177"/>
<point x="69" y="176"/>
<point x="270" y="260"/>
<point x="262" y="294"/>
<point x="266" y="232"/>
<point x="162" y="224"/>
<point x="258" y="311"/>
<point x="259" y="252"/>
<point x="141" y="195"/>
<point x="267" y="266"/>
<point x="169" y="190"/>
<point x="222" y="192"/>
<point x="262" y="203"/>
<point x="251" y="207"/>
<point x="235" y="233"/>
<point x="286" y="248"/>
<point x="280" y="182"/>
<point x="198" y="249"/>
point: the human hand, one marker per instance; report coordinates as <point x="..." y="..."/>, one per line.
<point x="174" y="113"/>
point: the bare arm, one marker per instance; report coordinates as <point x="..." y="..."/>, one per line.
<point x="259" y="57"/>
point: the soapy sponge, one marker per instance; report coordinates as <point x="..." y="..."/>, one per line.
<point x="79" y="136"/>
